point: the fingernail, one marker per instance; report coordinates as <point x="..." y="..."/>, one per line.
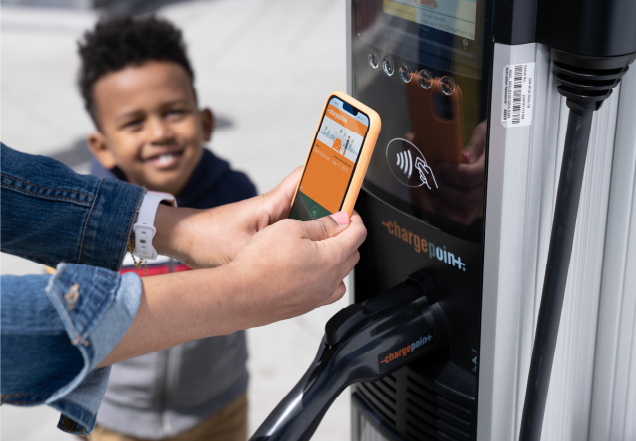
<point x="467" y="156"/>
<point x="341" y="217"/>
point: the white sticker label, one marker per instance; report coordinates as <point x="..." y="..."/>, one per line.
<point x="518" y="84"/>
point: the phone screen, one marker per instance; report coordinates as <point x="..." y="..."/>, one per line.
<point x="332" y="161"/>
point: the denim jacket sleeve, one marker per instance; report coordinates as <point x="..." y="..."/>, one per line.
<point x="52" y="215"/>
<point x="56" y="330"/>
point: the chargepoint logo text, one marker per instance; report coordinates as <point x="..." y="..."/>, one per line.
<point x="337" y="116"/>
<point x="421" y="245"/>
<point x="423" y="341"/>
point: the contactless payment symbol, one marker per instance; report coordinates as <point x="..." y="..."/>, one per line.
<point x="405" y="162"/>
<point x="408" y="164"/>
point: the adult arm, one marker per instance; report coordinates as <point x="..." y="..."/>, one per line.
<point x="56" y="330"/>
<point x="50" y="214"/>
<point x="283" y="271"/>
<point x="181" y="231"/>
<point x="91" y="317"/>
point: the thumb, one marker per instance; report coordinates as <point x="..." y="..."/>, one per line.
<point x="279" y="199"/>
<point x="326" y="227"/>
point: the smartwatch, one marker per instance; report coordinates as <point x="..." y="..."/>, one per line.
<point x="144" y="228"/>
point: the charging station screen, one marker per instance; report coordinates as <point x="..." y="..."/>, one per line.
<point x="456" y="17"/>
<point x="331" y="163"/>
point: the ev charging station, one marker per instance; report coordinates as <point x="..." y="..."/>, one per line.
<point x="505" y="124"/>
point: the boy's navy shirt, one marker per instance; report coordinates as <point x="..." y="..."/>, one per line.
<point x="212" y="184"/>
<point x="163" y="394"/>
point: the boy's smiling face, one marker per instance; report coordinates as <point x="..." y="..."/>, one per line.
<point x="150" y="126"/>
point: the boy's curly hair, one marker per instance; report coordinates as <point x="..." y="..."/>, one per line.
<point x="123" y="41"/>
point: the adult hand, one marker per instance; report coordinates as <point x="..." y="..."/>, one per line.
<point x="283" y="271"/>
<point x="293" y="267"/>
<point x="207" y="238"/>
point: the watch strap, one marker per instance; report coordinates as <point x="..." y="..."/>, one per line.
<point x="144" y="227"/>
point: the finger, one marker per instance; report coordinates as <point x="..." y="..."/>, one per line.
<point x="349" y="264"/>
<point x="326" y="227"/>
<point x="280" y="198"/>
<point x="355" y="235"/>
<point x="337" y="295"/>
<point x="338" y="249"/>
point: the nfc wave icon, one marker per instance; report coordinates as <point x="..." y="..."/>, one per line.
<point x="400" y="157"/>
<point x="405" y="162"/>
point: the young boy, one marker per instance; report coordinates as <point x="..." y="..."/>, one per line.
<point x="137" y="84"/>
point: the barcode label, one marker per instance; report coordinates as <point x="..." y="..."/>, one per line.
<point x="517" y="104"/>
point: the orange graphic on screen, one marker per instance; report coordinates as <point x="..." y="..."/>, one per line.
<point x="332" y="158"/>
<point x="326" y="176"/>
<point x="429" y="3"/>
<point x="338" y="158"/>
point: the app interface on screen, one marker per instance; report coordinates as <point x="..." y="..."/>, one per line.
<point x="333" y="156"/>
<point x="452" y="16"/>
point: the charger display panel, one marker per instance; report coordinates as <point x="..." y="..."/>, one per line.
<point x="450" y="23"/>
<point x="425" y="67"/>
<point x="422" y="64"/>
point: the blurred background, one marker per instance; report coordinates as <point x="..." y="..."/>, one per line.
<point x="264" y="67"/>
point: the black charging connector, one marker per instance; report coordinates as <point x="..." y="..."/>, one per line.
<point x="363" y="342"/>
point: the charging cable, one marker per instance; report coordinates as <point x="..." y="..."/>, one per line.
<point x="586" y="82"/>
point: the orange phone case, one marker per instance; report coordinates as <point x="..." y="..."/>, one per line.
<point x="364" y="156"/>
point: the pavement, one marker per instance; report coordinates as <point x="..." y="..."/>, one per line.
<point x="265" y="68"/>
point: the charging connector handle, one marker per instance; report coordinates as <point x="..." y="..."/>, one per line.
<point x="363" y="342"/>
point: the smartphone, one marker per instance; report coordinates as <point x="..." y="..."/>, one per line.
<point x="337" y="160"/>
